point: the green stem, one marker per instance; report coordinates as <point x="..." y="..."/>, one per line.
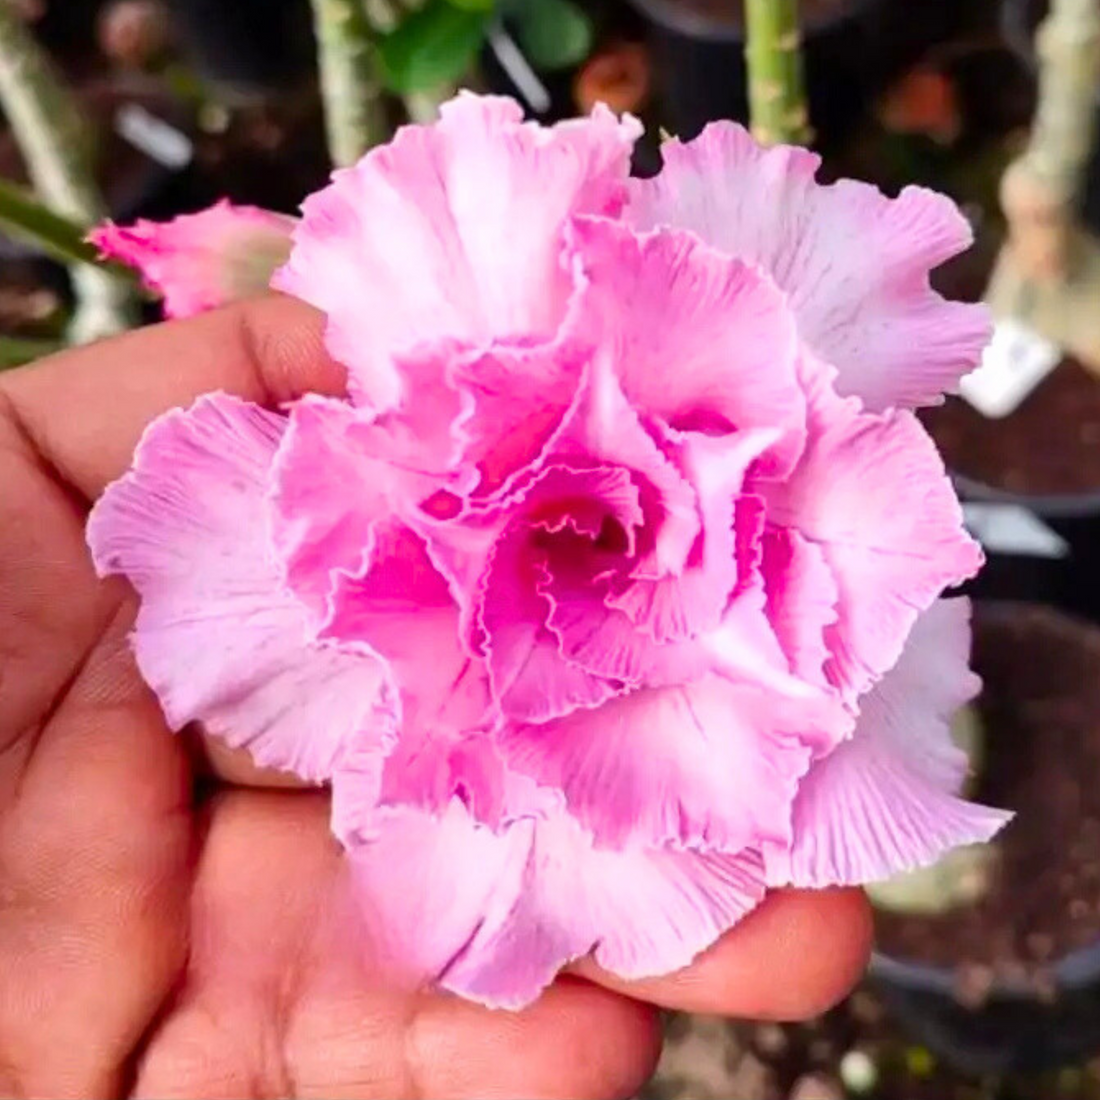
<point x="53" y="138"/>
<point x="16" y="351"/>
<point x="354" y="112"/>
<point x="777" y="96"/>
<point x="24" y="218"/>
<point x="423" y="107"/>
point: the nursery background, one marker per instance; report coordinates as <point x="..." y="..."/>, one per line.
<point x="986" y="980"/>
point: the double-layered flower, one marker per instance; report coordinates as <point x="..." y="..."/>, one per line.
<point x="609" y="596"/>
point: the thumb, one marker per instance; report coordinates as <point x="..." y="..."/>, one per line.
<point x="268" y="350"/>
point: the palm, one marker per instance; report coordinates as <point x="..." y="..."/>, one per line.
<point x="96" y="829"/>
<point x="164" y="937"/>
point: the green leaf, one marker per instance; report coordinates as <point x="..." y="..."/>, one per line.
<point x="24" y="218"/>
<point x="15" y="351"/>
<point x="434" y="46"/>
<point x="553" y="34"/>
<point x="473" y="5"/>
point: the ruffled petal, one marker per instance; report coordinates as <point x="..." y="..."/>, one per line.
<point x="711" y="763"/>
<point x="494" y="917"/>
<point x="453" y="230"/>
<point x="801" y="599"/>
<point x="518" y="399"/>
<point x="889" y="562"/>
<point x="701" y="341"/>
<point x="885" y="801"/>
<point x="603" y="427"/>
<point x="531" y="678"/>
<point x="446" y="752"/>
<point x="640" y="913"/>
<point x="217" y="636"/>
<point x="328" y="494"/>
<point x="402" y="610"/>
<point x="339" y="477"/>
<point x="201" y="261"/>
<point x="724" y="558"/>
<point x="854" y="263"/>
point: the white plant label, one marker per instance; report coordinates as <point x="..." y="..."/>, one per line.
<point x="154" y="137"/>
<point x="1010" y="529"/>
<point x="1015" y="361"/>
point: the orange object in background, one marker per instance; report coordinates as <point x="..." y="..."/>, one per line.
<point x="618" y="75"/>
<point x="924" y="101"/>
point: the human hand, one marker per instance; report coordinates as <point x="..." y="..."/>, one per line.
<point x="171" y="917"/>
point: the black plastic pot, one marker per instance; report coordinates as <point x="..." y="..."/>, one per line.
<point x="1013" y="1032"/>
<point x="249" y="47"/>
<point x="849" y="58"/>
<point x="1018" y="1027"/>
<point x="1070" y="583"/>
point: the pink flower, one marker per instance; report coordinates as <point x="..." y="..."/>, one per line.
<point x="610" y="598"/>
<point x="198" y="261"/>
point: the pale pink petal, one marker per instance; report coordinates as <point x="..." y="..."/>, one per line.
<point x="436" y="762"/>
<point x="605" y="643"/>
<point x="641" y="913"/>
<point x="339" y="475"/>
<point x="201" y="261"/>
<point x="684" y="605"/>
<point x="872" y="493"/>
<point x="431" y="767"/>
<point x="586" y="499"/>
<point x="742" y="646"/>
<point x="885" y="801"/>
<point x="494" y="917"/>
<point x="402" y="610"/>
<point x="801" y="599"/>
<point x="603" y="427"/>
<point x="217" y="637"/>
<point x="711" y="762"/>
<point x="702" y="341"/>
<point x="854" y="263"/>
<point x="424" y="884"/>
<point x="531" y="679"/>
<point x="445" y="750"/>
<point x="519" y="397"/>
<point x="649" y="631"/>
<point x="453" y="230"/>
<point x="329" y="492"/>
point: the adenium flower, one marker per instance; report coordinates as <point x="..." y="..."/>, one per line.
<point x="200" y="261"/>
<point x="610" y="596"/>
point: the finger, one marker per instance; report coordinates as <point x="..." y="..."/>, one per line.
<point x="795" y="957"/>
<point x="577" y="1040"/>
<point x="95" y="857"/>
<point x="267" y="350"/>
<point x="43" y="638"/>
<point x="276" y="1000"/>
<point x="212" y="758"/>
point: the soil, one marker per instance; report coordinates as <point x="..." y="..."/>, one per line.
<point x="1050" y="444"/>
<point x="706" y="1058"/>
<point x="1040" y="709"/>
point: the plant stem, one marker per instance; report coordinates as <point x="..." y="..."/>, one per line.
<point x="423" y="107"/>
<point x="1063" y="133"/>
<point x="777" y="97"/>
<point x="16" y="351"/>
<point x="24" y="218"/>
<point x="53" y="138"/>
<point x="354" y="115"/>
